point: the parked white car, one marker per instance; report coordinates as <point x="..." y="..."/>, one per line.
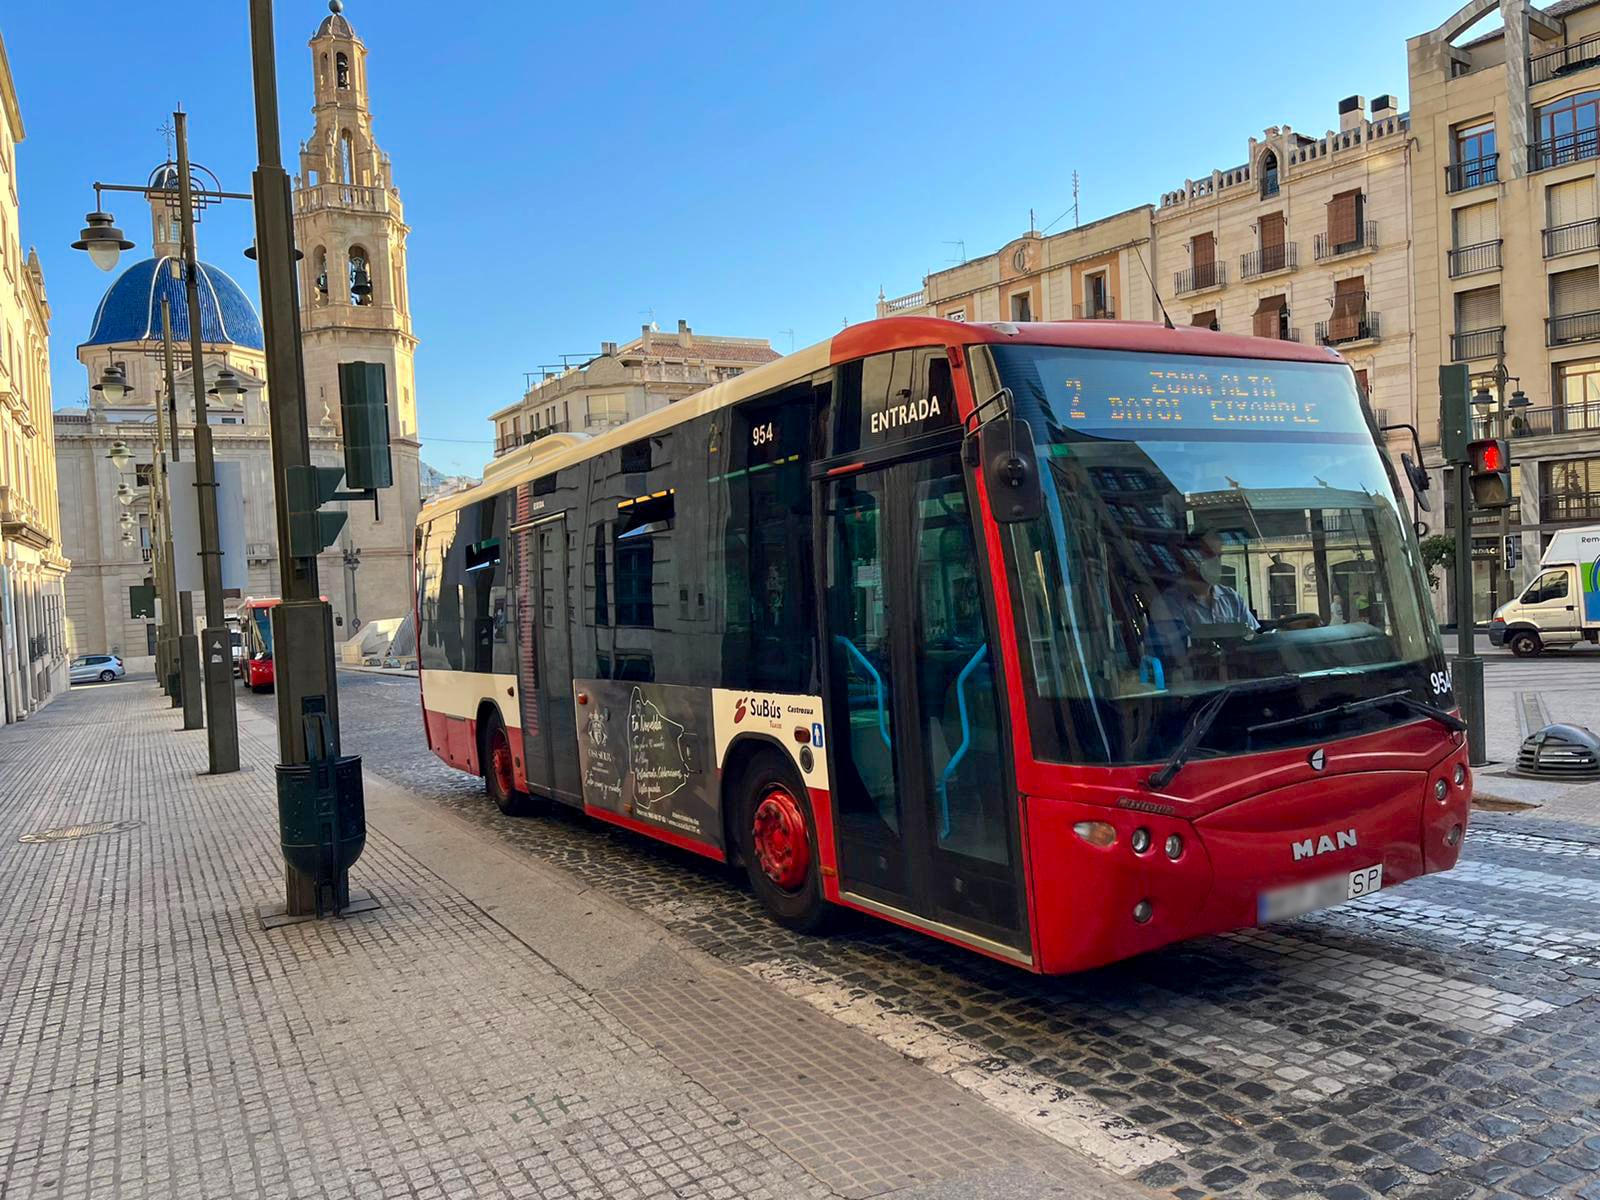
<point x="87" y="668"/>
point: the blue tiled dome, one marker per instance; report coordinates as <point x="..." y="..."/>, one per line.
<point x="130" y="311"/>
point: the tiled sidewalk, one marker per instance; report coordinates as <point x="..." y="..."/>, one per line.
<point x="156" y="1042"/>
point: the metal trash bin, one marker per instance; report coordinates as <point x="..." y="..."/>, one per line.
<point x="1565" y="752"/>
<point x="322" y="817"/>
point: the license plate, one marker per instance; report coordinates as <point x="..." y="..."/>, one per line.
<point x="1282" y="903"/>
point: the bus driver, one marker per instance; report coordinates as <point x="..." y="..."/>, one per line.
<point x="1198" y="597"/>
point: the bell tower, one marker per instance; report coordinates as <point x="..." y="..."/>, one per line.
<point x="355" y="305"/>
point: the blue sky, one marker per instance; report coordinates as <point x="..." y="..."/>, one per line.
<point x="752" y="169"/>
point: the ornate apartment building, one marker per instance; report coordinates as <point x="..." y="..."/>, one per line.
<point x="1091" y="271"/>
<point x="1507" y="127"/>
<point x="1306" y="240"/>
<point x="624" y="382"/>
<point x="33" y="566"/>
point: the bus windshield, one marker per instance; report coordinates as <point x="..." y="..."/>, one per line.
<point x="1208" y="522"/>
<point x="261" y="619"/>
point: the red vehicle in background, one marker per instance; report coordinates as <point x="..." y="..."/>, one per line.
<point x="255" y="629"/>
<point x="1059" y="641"/>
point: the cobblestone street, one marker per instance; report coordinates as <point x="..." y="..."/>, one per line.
<point x="1440" y="1040"/>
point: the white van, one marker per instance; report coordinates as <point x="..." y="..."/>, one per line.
<point x="1562" y="605"/>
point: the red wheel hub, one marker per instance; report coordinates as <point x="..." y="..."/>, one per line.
<point x="500" y="762"/>
<point x="782" y="847"/>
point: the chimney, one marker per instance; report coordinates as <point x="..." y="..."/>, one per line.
<point x="608" y="349"/>
<point x="1384" y="106"/>
<point x="1352" y="112"/>
<point x="685" y="334"/>
<point x="644" y="338"/>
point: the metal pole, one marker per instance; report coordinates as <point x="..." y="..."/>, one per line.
<point x="1467" y="669"/>
<point x="302" y="624"/>
<point x="169" y="582"/>
<point x="1502" y="565"/>
<point x="222" y="731"/>
<point x="189" y="674"/>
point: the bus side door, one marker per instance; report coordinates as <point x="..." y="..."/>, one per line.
<point x="545" y="659"/>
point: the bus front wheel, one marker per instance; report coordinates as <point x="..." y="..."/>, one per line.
<point x="778" y="841"/>
<point x="499" y="777"/>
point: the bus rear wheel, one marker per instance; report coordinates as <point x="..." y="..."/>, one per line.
<point x="778" y="841"/>
<point x="499" y="775"/>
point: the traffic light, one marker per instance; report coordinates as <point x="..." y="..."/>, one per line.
<point x="364" y="405"/>
<point x="311" y="531"/>
<point x="1490" y="464"/>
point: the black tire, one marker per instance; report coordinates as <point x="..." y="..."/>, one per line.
<point x="1524" y="643"/>
<point x="107" y="676"/>
<point x="802" y="906"/>
<point x="497" y="783"/>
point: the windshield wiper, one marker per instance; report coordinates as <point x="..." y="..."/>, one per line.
<point x="1403" y="698"/>
<point x="1202" y="720"/>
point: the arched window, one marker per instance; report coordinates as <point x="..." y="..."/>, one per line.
<point x="1269" y="173"/>
<point x="347" y="158"/>
<point x="322" y="72"/>
<point x="360" y="277"/>
<point x="342" y="67"/>
<point x="319" y="275"/>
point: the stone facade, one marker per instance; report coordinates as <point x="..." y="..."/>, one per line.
<point x="1508" y="255"/>
<point x="624" y="382"/>
<point x="1090" y="271"/>
<point x="33" y="566"/>
<point x="356" y="307"/>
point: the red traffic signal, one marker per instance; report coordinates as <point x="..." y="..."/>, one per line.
<point x="1490" y="473"/>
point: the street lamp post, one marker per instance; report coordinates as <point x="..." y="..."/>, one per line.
<point x="104" y="242"/>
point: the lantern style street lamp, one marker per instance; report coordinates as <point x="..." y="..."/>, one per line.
<point x="120" y="455"/>
<point x="102" y="239"/>
<point x="113" y="385"/>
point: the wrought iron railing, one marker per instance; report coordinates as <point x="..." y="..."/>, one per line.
<point x="1469" y="260"/>
<point x="1570" y="239"/>
<point x="1563" y="60"/>
<point x="1568" y="328"/>
<point x="1283" y="257"/>
<point x="1095" y="312"/>
<point x="1477" y="343"/>
<point x="1564" y="148"/>
<point x="1198" y="278"/>
<point x="1338" y="332"/>
<point x="1545" y="421"/>
<point x="1366" y="239"/>
<point x="1472" y="172"/>
<point x="1582" y="506"/>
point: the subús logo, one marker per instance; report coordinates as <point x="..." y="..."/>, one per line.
<point x="757" y="706"/>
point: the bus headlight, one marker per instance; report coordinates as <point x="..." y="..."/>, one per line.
<point x="1174" y="847"/>
<point x="1440" y="789"/>
<point x="1453" y="838"/>
<point x="1140" y="841"/>
<point x="1143" y="911"/>
<point x="1461" y="774"/>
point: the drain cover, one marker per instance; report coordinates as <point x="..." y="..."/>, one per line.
<point x="67" y="833"/>
<point x="1561" y="752"/>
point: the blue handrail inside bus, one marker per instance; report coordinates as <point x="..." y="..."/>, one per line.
<point x="877" y="682"/>
<point x="966" y="740"/>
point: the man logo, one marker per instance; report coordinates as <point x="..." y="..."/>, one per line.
<point x="738" y="711"/>
<point x="1311" y="847"/>
<point x="1318" y="759"/>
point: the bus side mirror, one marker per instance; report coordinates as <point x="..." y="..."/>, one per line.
<point x="1419" y="482"/>
<point x="1010" y="468"/>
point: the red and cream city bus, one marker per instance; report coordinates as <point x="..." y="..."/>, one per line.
<point x="255" y="629"/>
<point x="1057" y="641"/>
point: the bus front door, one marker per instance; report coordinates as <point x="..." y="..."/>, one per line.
<point x="925" y="815"/>
<point x="548" y="722"/>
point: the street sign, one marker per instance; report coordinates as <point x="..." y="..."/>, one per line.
<point x="141" y="601"/>
<point x="1513" y="551"/>
<point x="186" y="526"/>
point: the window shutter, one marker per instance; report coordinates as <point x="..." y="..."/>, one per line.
<point x="1205" y="320"/>
<point x="1574" y="292"/>
<point x="1476" y="224"/>
<point x="1203" y="247"/>
<point x="1271" y="229"/>
<point x="1342" y="219"/>
<point x="1361" y="381"/>
<point x="1479" y="309"/>
<point x="1349" y="305"/>
<point x="1571" y="202"/>
<point x="1265" y="323"/>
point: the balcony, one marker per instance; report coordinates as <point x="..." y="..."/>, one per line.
<point x="1269" y="260"/>
<point x="1572" y="327"/>
<point x="1471" y="260"/>
<point x="1472" y="172"/>
<point x="1200" y="278"/>
<point x="1552" y="421"/>
<point x="1582" y="506"/>
<point x="1564" y="60"/>
<point x="1346" y="331"/>
<point x="907" y="303"/>
<point x="1477" y="343"/>
<point x="1565" y="148"/>
<point x="1366" y="239"/>
<point x="1571" y="239"/>
<point x="319" y="196"/>
<point x="1095" y="312"/>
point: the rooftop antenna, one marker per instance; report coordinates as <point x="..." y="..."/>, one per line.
<point x="1030" y="222"/>
<point x="651" y="313"/>
<point x="962" y="243"/>
<point x="1153" y="291"/>
<point x="790" y="332"/>
<point x="1074" y="199"/>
